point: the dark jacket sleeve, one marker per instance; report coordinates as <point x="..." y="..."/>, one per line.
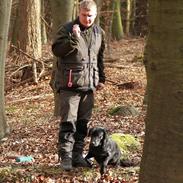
<point x="101" y="60"/>
<point x="65" y="42"/>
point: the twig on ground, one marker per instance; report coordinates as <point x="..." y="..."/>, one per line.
<point x="30" y="98"/>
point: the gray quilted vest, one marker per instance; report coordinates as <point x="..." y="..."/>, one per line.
<point x="79" y="70"/>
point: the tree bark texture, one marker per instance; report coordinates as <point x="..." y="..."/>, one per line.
<point x="29" y="38"/>
<point x="29" y="34"/>
<point x="5" y="9"/>
<point x="162" y="160"/>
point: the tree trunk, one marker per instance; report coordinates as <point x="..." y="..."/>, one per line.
<point x="117" y="27"/>
<point x="75" y="12"/>
<point x="5" y="9"/>
<point x="62" y="12"/>
<point x="140" y="24"/>
<point x="128" y="16"/>
<point x="43" y="25"/>
<point x="14" y="25"/>
<point x="162" y="160"/>
<point x="29" y="34"/>
<point x="99" y="6"/>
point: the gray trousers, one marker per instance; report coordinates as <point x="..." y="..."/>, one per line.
<point x="76" y="105"/>
<point x="76" y="110"/>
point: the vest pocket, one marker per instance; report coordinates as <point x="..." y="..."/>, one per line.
<point x="74" y="77"/>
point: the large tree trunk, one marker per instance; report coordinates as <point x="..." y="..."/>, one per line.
<point x="62" y="12"/>
<point x="29" y="37"/>
<point x="5" y="9"/>
<point x="162" y="160"/>
<point x="29" y="33"/>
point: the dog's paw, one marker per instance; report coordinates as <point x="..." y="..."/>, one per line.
<point x="90" y="163"/>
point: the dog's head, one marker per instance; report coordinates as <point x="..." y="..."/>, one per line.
<point x="98" y="136"/>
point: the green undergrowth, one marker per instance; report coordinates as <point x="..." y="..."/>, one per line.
<point x="127" y="143"/>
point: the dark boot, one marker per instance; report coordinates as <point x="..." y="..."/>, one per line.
<point x="66" y="164"/>
<point x="65" y="156"/>
<point x="77" y="153"/>
<point x="65" y="146"/>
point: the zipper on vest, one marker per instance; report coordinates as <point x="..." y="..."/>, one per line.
<point x="89" y="67"/>
<point x="89" y="45"/>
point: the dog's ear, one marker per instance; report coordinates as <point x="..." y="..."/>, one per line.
<point x="105" y="133"/>
<point x="90" y="131"/>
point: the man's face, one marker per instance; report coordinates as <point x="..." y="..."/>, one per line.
<point x="87" y="17"/>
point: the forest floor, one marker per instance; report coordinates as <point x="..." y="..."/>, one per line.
<point x="34" y="130"/>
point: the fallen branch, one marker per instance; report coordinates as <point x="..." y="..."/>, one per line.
<point x="117" y="66"/>
<point x="29" y="56"/>
<point x="18" y="83"/>
<point x="110" y="81"/>
<point x="46" y="23"/>
<point x="29" y="98"/>
<point x="126" y="85"/>
<point x="13" y="73"/>
<point x="26" y="54"/>
<point x="109" y="60"/>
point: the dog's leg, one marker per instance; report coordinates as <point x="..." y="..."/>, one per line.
<point x="103" y="166"/>
<point x="102" y="169"/>
<point x="88" y="156"/>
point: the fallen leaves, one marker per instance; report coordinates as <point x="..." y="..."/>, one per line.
<point x="29" y="110"/>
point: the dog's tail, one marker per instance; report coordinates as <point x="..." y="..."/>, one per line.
<point x="129" y="163"/>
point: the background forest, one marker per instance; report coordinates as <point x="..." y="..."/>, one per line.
<point x="29" y="108"/>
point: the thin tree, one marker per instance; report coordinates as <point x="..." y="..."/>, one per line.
<point x="117" y="27"/>
<point x="43" y="23"/>
<point x="5" y="9"/>
<point x="130" y="16"/>
<point x="162" y="159"/>
<point x="99" y="6"/>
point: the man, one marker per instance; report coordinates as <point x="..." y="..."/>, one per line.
<point x="79" y="46"/>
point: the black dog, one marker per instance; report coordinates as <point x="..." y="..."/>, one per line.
<point x="103" y="149"/>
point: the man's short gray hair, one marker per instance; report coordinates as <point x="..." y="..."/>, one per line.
<point x="87" y="4"/>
